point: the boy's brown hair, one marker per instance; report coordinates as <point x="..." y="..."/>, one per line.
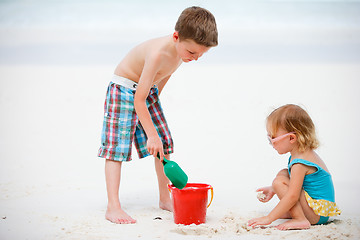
<point x="293" y="118"/>
<point x="199" y="25"/>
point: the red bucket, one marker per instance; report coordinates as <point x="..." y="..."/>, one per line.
<point x="190" y="203"/>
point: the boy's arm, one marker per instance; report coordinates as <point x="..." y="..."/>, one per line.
<point x="151" y="67"/>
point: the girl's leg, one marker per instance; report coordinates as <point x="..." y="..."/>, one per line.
<point x="308" y="211"/>
<point x="114" y="212"/>
<point x="301" y="218"/>
<point x="164" y="201"/>
<point x="283" y="173"/>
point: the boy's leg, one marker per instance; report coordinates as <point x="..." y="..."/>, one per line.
<point x="301" y="218"/>
<point x="164" y="194"/>
<point x="117" y="134"/>
<point x="140" y="140"/>
<point x="114" y="212"/>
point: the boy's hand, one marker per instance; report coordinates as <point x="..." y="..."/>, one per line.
<point x="155" y="146"/>
<point x="268" y="192"/>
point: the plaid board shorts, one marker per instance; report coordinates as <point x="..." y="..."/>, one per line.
<point x="121" y="126"/>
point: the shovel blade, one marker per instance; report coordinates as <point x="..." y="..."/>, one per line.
<point x="175" y="174"/>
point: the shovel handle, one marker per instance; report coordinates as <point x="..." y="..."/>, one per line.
<point x="164" y="161"/>
<point x="158" y="156"/>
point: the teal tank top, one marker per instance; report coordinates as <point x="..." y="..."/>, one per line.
<point x="318" y="185"/>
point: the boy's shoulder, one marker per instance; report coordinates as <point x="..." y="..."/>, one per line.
<point x="154" y="42"/>
<point x="157" y="50"/>
<point x="152" y="47"/>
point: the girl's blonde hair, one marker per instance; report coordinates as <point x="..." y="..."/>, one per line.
<point x="293" y="118"/>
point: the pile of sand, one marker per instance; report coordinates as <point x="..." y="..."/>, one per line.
<point x="237" y="225"/>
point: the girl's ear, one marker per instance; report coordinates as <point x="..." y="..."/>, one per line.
<point x="176" y="36"/>
<point x="293" y="138"/>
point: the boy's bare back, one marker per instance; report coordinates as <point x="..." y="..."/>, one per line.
<point x="158" y="51"/>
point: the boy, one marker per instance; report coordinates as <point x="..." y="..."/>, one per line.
<point x="132" y="108"/>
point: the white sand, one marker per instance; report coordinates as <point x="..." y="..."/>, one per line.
<point x="52" y="184"/>
<point x="261" y="196"/>
<point x="52" y="91"/>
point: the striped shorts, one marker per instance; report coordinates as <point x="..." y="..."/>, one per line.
<point x="121" y="126"/>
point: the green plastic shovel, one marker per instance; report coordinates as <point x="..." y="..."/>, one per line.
<point x="174" y="173"/>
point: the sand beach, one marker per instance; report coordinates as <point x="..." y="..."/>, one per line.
<point x="53" y="78"/>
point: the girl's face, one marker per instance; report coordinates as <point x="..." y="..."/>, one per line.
<point x="282" y="141"/>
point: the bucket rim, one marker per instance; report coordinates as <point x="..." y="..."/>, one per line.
<point x="192" y="186"/>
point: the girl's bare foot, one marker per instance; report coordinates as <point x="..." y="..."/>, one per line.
<point x="166" y="205"/>
<point x="294" y="224"/>
<point x="117" y="215"/>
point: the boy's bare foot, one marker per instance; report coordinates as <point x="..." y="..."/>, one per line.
<point x="167" y="205"/>
<point x="117" y="215"/>
<point x="294" y="224"/>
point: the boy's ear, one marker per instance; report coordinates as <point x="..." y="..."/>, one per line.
<point x="176" y="36"/>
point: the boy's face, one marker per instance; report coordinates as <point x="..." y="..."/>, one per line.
<point x="189" y="50"/>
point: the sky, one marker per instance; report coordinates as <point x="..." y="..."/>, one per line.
<point x="101" y="32"/>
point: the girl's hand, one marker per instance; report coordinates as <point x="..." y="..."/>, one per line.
<point x="259" y="221"/>
<point x="155" y="146"/>
<point x="268" y="192"/>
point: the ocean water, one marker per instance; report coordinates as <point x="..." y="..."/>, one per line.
<point x="101" y="32"/>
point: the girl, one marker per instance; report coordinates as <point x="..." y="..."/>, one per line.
<point x="305" y="188"/>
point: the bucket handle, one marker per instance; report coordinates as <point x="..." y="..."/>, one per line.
<point x="212" y="196"/>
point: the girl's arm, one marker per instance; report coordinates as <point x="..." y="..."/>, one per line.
<point x="268" y="192"/>
<point x="289" y="200"/>
<point x="292" y="196"/>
